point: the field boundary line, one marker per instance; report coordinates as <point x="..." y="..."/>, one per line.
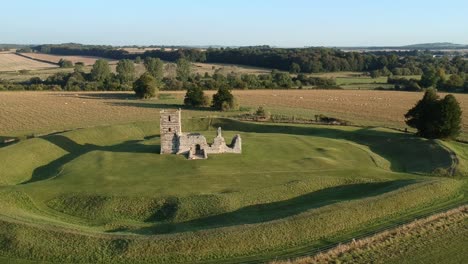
<point x="36" y="59"/>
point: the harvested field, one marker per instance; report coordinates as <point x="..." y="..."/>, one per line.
<point x="142" y="50"/>
<point x="87" y="60"/>
<point x="26" y="112"/>
<point x="19" y="111"/>
<point x="361" y="107"/>
<point x="13" y="62"/>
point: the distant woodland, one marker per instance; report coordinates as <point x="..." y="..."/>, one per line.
<point x="290" y="68"/>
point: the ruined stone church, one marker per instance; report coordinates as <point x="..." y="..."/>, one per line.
<point x="194" y="145"/>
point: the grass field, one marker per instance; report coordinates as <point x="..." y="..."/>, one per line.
<point x="227" y="69"/>
<point x="102" y="194"/>
<point x="441" y="238"/>
<point x="10" y="62"/>
<point x="360" y="80"/>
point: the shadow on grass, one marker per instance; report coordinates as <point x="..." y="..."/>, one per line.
<point x="75" y="150"/>
<point x="101" y="95"/>
<point x="405" y="152"/>
<point x="277" y="210"/>
<point x="7" y="141"/>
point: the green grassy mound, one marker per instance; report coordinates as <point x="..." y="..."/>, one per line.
<point x="104" y="194"/>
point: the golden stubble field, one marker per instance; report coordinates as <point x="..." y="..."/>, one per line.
<point x="40" y="112"/>
<point x="87" y="60"/>
<point x="12" y="62"/>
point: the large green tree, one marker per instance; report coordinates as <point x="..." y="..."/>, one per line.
<point x="125" y="71"/>
<point x="100" y="71"/>
<point x="146" y="86"/>
<point x="435" y="118"/>
<point x="65" y="63"/>
<point x="183" y="70"/>
<point x="224" y="100"/>
<point x="154" y="66"/>
<point x="195" y="97"/>
<point x="450" y="117"/>
<point x="429" y="78"/>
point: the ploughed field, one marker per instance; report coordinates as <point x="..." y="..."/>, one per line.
<point x="104" y="194"/>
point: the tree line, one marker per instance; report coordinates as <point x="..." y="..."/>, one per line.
<point x="433" y="78"/>
<point x="101" y="78"/>
<point x="295" y="60"/>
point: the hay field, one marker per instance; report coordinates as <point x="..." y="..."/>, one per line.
<point x="43" y="111"/>
<point x="360" y="107"/>
<point x="13" y="62"/>
<point x="87" y="60"/>
<point x="26" y="112"/>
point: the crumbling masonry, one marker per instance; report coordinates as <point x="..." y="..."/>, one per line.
<point x="194" y="145"/>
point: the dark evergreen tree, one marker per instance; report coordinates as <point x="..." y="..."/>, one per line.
<point x="449" y="125"/>
<point x="195" y="96"/>
<point x="435" y="118"/>
<point x="224" y="100"/>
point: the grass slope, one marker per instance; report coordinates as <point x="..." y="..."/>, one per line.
<point x="440" y="238"/>
<point x="104" y="195"/>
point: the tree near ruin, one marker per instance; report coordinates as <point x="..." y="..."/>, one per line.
<point x="434" y="117"/>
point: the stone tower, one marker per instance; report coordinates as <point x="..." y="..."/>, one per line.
<point x="170" y="129"/>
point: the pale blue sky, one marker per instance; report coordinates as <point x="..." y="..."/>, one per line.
<point x="236" y="22"/>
